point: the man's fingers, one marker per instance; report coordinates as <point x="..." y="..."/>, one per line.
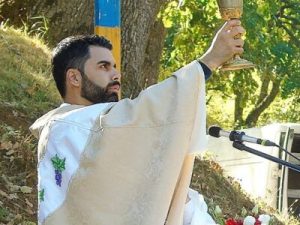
<point x="239" y="42"/>
<point x="231" y="23"/>
<point x="236" y="30"/>
<point x="238" y="50"/>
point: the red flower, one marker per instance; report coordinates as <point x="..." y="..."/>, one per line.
<point x="257" y="222"/>
<point x="231" y="221"/>
<point x="239" y="222"/>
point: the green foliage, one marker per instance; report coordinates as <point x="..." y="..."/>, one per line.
<point x="192" y="25"/>
<point x="283" y="110"/>
<point x="271" y="42"/>
<point x="3" y="213"/>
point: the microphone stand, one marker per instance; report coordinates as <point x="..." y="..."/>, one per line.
<point x="239" y="145"/>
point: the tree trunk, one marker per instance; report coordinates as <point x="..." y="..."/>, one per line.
<point x="65" y="17"/>
<point x="138" y="17"/>
<point x="150" y="68"/>
<point x="15" y="16"/>
<point x="238" y="111"/>
<point x="264" y="88"/>
<point x="253" y="116"/>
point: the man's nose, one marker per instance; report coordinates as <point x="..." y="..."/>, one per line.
<point x="116" y="75"/>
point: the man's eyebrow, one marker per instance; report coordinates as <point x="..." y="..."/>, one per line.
<point x="105" y="62"/>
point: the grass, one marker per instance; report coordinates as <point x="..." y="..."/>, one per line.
<point x="26" y="83"/>
<point x="3" y="213"/>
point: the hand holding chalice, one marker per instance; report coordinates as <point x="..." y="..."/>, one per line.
<point x="233" y="9"/>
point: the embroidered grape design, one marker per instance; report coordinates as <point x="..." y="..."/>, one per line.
<point x="58" y="177"/>
<point x="59" y="167"/>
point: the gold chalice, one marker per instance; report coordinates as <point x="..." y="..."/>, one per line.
<point x="233" y="9"/>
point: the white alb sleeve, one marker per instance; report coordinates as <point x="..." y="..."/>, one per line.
<point x="199" y="138"/>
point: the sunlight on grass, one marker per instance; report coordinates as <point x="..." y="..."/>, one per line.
<point x="25" y="72"/>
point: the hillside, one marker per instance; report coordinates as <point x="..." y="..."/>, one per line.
<point x="26" y="92"/>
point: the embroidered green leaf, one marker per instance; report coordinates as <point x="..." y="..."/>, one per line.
<point x="42" y="195"/>
<point x="58" y="164"/>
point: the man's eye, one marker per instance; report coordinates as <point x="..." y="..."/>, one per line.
<point x="104" y="66"/>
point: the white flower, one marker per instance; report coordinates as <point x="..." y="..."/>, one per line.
<point x="264" y="219"/>
<point x="218" y="210"/>
<point x="249" y="220"/>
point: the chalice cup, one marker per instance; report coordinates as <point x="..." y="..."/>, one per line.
<point x="233" y="9"/>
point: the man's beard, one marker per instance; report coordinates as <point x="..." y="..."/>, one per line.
<point x="97" y="94"/>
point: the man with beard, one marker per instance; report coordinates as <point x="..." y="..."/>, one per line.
<point x="108" y="161"/>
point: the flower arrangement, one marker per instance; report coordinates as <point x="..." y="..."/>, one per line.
<point x="253" y="219"/>
<point x="250" y="220"/>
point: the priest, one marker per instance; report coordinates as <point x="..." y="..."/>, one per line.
<point x="103" y="160"/>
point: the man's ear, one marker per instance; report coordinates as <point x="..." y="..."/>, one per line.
<point x="73" y="77"/>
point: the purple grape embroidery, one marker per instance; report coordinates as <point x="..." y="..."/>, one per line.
<point x="58" y="177"/>
<point x="59" y="167"/>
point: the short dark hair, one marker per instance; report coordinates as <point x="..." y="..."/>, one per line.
<point x="73" y="52"/>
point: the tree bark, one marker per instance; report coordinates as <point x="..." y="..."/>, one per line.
<point x="264" y="88"/>
<point x="15" y="16"/>
<point x="138" y="17"/>
<point x="253" y="116"/>
<point x="65" y="17"/>
<point x="238" y="111"/>
<point x="150" y="68"/>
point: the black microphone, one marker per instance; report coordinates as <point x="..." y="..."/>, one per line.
<point x="216" y="131"/>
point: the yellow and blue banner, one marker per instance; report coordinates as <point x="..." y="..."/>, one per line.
<point x="107" y="24"/>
